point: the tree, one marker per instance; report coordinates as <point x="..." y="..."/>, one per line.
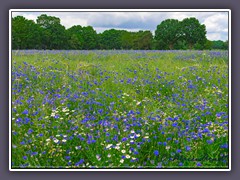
<point x="143" y="40"/>
<point x="90" y="38"/>
<point x="75" y="37"/>
<point x="226" y="45"/>
<point x="111" y="39"/>
<point x="25" y="34"/>
<point x="219" y="44"/>
<point x="127" y="40"/>
<point x="193" y="32"/>
<point x="208" y="45"/>
<point x="167" y="34"/>
<point x="54" y="36"/>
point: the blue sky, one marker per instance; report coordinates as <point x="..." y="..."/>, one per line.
<point x="216" y="22"/>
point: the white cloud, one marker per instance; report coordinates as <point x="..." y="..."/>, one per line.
<point x="216" y="23"/>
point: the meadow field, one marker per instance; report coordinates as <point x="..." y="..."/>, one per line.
<point x="120" y="109"/>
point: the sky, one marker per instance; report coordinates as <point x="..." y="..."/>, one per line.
<point x="216" y="22"/>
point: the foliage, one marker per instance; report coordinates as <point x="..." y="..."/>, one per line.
<point x="193" y="32"/>
<point x="168" y="33"/>
<point x="25" y="34"/>
<point x="48" y="33"/>
<point x="54" y="36"/>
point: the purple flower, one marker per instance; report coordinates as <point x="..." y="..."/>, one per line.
<point x="124" y="139"/>
<point x="175" y="124"/>
<point x="67" y="157"/>
<point x="199" y="164"/>
<point x="179" y="150"/>
<point x="225" y="146"/>
<point x="30" y="131"/>
<point x="25" y="157"/>
<point x="209" y="141"/>
<point x="156" y="153"/>
<point x="34" y="153"/>
<point x="79" y="162"/>
<point x="25" y="111"/>
<point x="188" y="148"/>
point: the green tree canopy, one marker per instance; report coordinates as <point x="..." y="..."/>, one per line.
<point x="54" y="36"/>
<point x="168" y="33"/>
<point x="25" y="34"/>
<point x="49" y="33"/>
<point x="193" y="32"/>
<point x="90" y="38"/>
<point x="75" y="37"/>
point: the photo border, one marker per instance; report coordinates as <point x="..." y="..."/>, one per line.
<point x="120" y="10"/>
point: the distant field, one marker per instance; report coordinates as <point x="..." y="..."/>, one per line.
<point x="120" y="109"/>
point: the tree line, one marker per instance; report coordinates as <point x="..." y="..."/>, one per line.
<point x="49" y="33"/>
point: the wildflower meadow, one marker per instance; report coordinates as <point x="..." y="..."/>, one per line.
<point x="120" y="109"/>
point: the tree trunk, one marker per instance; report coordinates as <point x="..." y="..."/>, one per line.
<point x="190" y="46"/>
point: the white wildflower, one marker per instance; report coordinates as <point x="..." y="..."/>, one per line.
<point x="167" y="147"/>
<point x="77" y="147"/>
<point x="56" y="140"/>
<point x="109" y="146"/>
<point x="127" y="156"/>
<point x="98" y="157"/>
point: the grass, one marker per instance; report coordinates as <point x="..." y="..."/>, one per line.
<point x="120" y="109"/>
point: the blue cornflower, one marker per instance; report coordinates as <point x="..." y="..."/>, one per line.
<point x="175" y="124"/>
<point x="79" y="162"/>
<point x="179" y="150"/>
<point x="124" y="139"/>
<point x="156" y="153"/>
<point x="25" y="157"/>
<point x="209" y="141"/>
<point x="30" y="131"/>
<point x="136" y="152"/>
<point x="25" y="111"/>
<point x="169" y="138"/>
<point x="199" y="164"/>
<point x="67" y="157"/>
<point x="18" y="120"/>
<point x="180" y="164"/>
<point x="188" y="148"/>
<point x="56" y="116"/>
<point x="159" y="165"/>
<point x="225" y="146"/>
<point x="34" y="153"/>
